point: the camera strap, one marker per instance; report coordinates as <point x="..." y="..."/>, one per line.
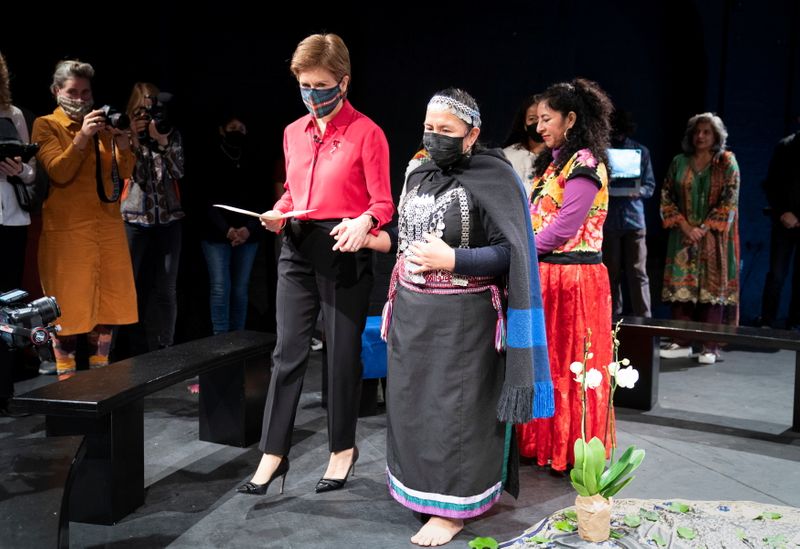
<point x="101" y="189"/>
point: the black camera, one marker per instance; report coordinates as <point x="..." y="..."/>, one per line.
<point x="157" y="112"/>
<point x="116" y="118"/>
<point x="13" y="148"/>
<point x="24" y="324"/>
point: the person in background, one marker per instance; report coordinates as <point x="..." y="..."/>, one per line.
<point x="699" y="206"/>
<point x="567" y="215"/>
<point x="151" y="208"/>
<point x="337" y="166"/>
<point x="230" y="240"/>
<point x="14" y="220"/>
<point x="524" y="143"/>
<point x="782" y="187"/>
<point x="625" y="231"/>
<point x="84" y="260"/>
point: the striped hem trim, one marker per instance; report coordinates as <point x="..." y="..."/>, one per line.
<point x="443" y="505"/>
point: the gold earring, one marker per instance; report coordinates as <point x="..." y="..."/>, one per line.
<point x="566" y="137"/>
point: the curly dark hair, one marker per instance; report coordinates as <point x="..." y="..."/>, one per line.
<point x="517" y="133"/>
<point x="592" y="128"/>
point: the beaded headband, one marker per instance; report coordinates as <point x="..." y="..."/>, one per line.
<point x="457" y="108"/>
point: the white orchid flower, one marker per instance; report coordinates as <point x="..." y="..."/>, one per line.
<point x="612" y="368"/>
<point x="578" y="378"/>
<point x="627" y="377"/>
<point x="594" y="378"/>
<point x="576" y="367"/>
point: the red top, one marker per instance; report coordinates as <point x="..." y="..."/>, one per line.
<point x="344" y="173"/>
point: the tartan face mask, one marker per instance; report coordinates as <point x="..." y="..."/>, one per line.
<point x="321" y="103"/>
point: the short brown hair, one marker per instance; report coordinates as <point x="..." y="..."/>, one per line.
<point x="321" y="50"/>
<point x="70" y="68"/>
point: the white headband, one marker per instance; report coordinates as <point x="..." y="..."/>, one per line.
<point x="457" y="108"/>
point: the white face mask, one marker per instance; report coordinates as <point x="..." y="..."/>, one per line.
<point x="76" y="109"/>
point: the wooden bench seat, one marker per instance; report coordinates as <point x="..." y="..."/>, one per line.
<point x="639" y="341"/>
<point x="106" y="405"/>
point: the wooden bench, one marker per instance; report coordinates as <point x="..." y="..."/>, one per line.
<point x="106" y="405"/>
<point x="639" y="339"/>
<point x="37" y="476"/>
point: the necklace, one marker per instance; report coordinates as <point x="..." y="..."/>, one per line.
<point x="235" y="159"/>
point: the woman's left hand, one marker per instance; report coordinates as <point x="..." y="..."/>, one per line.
<point x="351" y="234"/>
<point x="431" y="255"/>
<point x="11" y="166"/>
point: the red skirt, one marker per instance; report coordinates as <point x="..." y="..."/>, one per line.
<point x="576" y="298"/>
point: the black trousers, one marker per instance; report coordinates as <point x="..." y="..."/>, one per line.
<point x="310" y="276"/>
<point x="784" y="244"/>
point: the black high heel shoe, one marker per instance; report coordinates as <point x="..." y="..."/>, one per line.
<point x="260" y="489"/>
<point x="330" y="484"/>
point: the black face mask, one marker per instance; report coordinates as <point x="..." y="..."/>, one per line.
<point x="444" y="150"/>
<point x="235" y="139"/>
<point x="533" y="134"/>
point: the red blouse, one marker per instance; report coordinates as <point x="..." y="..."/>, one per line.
<point x="343" y="173"/>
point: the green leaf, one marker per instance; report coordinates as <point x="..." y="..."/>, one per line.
<point x="632" y="520"/>
<point x="741" y="534"/>
<point x="617" y="534"/>
<point x="576" y="478"/>
<point x="483" y="543"/>
<point x="686" y="533"/>
<point x="580" y="451"/>
<point x="772" y="516"/>
<point x="571" y="515"/>
<point x="537" y="539"/>
<point x="678" y="507"/>
<point x="659" y="540"/>
<point x="628" y="466"/>
<point x="564" y="526"/>
<point x="776" y="541"/>
<point x="652" y="516"/>
<point x="614" y="488"/>
<point x="598" y="460"/>
<point x="616" y="469"/>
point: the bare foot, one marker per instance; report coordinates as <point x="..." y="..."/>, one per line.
<point x="339" y="464"/>
<point x="437" y="531"/>
<point x="269" y="463"/>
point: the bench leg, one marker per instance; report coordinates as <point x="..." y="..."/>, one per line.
<point x="109" y="480"/>
<point x="796" y="412"/>
<point x="643" y="354"/>
<point x="232" y="402"/>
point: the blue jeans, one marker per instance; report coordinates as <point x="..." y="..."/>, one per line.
<point x="229" y="278"/>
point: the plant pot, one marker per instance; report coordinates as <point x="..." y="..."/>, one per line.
<point x="594" y="517"/>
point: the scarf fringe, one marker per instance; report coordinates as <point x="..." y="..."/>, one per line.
<point x="515" y="404"/>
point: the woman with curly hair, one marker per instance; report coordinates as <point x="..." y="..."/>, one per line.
<point x="699" y="204"/>
<point x="568" y="210"/>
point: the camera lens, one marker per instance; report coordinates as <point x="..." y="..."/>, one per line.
<point x="47" y="307"/>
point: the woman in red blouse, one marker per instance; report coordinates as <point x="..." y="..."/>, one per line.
<point x="337" y="166"/>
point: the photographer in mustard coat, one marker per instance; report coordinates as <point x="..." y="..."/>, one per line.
<point x="83" y="254"/>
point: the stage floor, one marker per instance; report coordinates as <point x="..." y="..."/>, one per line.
<point x="719" y="433"/>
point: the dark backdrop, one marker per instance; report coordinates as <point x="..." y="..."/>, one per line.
<point x="665" y="61"/>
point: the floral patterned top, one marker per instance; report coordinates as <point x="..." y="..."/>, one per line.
<point x="547" y="204"/>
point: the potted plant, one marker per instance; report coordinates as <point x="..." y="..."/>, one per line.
<point x="595" y="481"/>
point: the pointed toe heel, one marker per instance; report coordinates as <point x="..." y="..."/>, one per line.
<point x="331" y="484"/>
<point x="254" y="489"/>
